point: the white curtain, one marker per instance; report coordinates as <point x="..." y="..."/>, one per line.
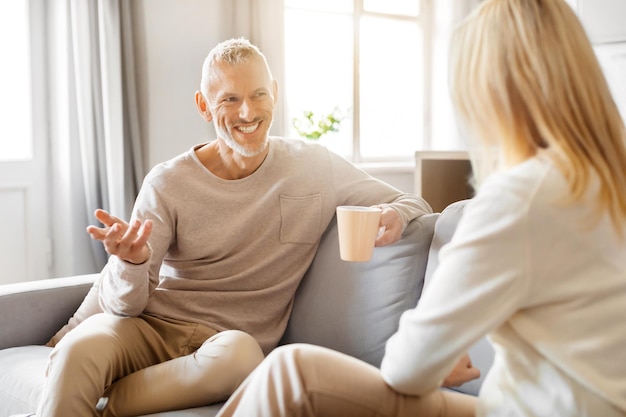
<point x="447" y="14"/>
<point x="94" y="132"/>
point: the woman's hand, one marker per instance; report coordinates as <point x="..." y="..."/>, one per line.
<point x="463" y="372"/>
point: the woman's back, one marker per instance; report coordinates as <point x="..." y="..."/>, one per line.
<point x="563" y="350"/>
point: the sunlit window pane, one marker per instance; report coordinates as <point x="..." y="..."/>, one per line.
<point x="319" y="70"/>
<point x="391" y="88"/>
<point x="321" y="65"/>
<point x="401" y="7"/>
<point x="15" y="110"/>
<point x="337" y="6"/>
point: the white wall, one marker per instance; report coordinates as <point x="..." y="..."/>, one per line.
<point x="603" y="19"/>
<point x="172" y="40"/>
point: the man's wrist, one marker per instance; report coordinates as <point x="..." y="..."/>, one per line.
<point x="146" y="254"/>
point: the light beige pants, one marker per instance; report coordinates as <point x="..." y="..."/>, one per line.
<point x="143" y="365"/>
<point x="305" y="381"/>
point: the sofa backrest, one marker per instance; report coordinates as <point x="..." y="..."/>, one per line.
<point x="354" y="307"/>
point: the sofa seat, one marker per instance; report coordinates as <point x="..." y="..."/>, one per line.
<point x="16" y="390"/>
<point x="18" y="393"/>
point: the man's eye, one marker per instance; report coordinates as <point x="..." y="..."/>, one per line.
<point x="230" y="99"/>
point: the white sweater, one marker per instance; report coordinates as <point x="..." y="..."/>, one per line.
<point x="230" y="254"/>
<point x="546" y="280"/>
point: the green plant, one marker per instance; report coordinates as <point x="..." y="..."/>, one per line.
<point x="313" y="126"/>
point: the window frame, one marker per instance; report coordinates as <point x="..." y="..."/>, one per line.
<point x="424" y="23"/>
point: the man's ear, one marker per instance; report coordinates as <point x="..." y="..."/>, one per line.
<point x="275" y="90"/>
<point x="203" y="107"/>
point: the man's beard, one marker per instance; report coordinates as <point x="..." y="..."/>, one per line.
<point x="239" y="148"/>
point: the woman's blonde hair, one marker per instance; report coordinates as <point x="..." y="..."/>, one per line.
<point x="524" y="78"/>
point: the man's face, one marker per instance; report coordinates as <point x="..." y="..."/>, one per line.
<point x="241" y="100"/>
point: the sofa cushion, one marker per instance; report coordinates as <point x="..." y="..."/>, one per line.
<point x="22" y="378"/>
<point x="481" y="353"/>
<point x="354" y="307"/>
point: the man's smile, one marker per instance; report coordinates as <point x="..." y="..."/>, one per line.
<point x="248" y="129"/>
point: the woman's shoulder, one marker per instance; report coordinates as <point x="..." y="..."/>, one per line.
<point x="531" y="186"/>
<point x="534" y="179"/>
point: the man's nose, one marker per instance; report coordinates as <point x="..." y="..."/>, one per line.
<point x="246" y="109"/>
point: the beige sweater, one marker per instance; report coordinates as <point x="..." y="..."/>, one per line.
<point x="230" y="253"/>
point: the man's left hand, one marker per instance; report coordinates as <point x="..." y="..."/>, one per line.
<point x="391" y="227"/>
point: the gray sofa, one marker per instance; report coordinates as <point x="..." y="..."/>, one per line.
<point x="350" y="307"/>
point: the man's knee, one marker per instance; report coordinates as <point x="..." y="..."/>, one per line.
<point x="80" y="339"/>
<point x="229" y="356"/>
<point x="297" y="354"/>
<point x="88" y="342"/>
<point x="234" y="348"/>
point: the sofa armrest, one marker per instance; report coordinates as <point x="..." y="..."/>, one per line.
<point x="32" y="312"/>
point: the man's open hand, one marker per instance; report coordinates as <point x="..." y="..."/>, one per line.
<point x="127" y="242"/>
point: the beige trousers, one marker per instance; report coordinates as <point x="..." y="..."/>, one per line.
<point x="143" y="365"/>
<point x="307" y="381"/>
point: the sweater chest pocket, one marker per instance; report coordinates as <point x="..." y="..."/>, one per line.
<point x="300" y="219"/>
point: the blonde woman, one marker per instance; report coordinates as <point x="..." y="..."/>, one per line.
<point x="538" y="261"/>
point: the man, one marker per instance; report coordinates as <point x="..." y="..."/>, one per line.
<point x="201" y="281"/>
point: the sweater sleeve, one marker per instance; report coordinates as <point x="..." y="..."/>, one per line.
<point x="356" y="187"/>
<point x="125" y="287"/>
<point x="480" y="282"/>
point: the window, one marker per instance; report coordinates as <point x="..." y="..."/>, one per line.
<point x="15" y="104"/>
<point x="24" y="172"/>
<point x="366" y="59"/>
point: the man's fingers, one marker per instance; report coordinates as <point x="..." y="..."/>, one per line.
<point x="103" y="217"/>
<point x="107" y="219"/>
<point x="144" y="233"/>
<point x="96" y="232"/>
<point x="391" y="234"/>
<point x="131" y="232"/>
<point x="128" y="241"/>
<point x="113" y="237"/>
